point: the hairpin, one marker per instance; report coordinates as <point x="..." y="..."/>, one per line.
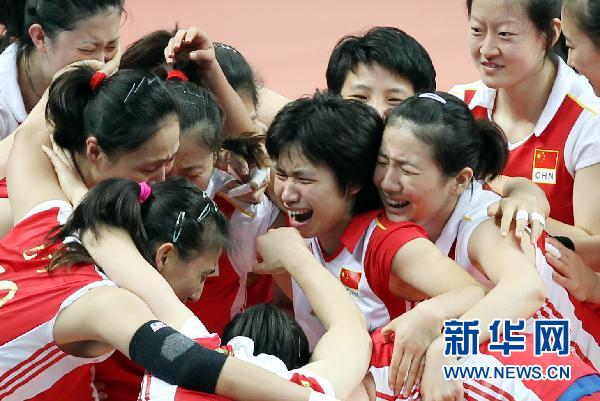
<point x="433" y="96"/>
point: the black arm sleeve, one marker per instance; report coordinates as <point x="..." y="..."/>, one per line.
<point x="175" y="358"/>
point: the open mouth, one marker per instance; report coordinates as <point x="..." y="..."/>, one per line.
<point x="396" y="204"/>
<point x="300" y="217"/>
<point x="490" y="65"/>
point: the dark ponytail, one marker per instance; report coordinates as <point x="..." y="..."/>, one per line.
<point x="249" y="148"/>
<point x="114" y="202"/>
<point x="147" y="54"/>
<point x="200" y="116"/>
<point x="123" y="112"/>
<point x="53" y="15"/>
<point x="69" y="96"/>
<point x="493" y="154"/>
<point x="456" y="139"/>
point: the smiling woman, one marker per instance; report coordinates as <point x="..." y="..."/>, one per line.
<point x="49" y="36"/>
<point x="529" y="92"/>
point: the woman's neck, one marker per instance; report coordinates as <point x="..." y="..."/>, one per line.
<point x="526" y="100"/>
<point x="33" y="78"/>
<point x="331" y="241"/>
<point x="435" y="226"/>
<point x="84" y="169"/>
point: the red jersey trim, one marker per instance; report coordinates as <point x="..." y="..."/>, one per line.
<point x="357" y="227"/>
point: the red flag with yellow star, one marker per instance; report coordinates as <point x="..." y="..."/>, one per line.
<point x="350" y="278"/>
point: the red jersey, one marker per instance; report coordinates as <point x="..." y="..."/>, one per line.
<point x="363" y="264"/>
<point x="565" y="139"/>
<point x="31" y="363"/>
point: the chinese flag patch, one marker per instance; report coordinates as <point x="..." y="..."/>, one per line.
<point x="545" y="163"/>
<point x="350" y="278"/>
<point x="306" y="381"/>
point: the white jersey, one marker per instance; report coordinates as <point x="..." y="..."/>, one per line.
<point x="12" y="107"/>
<point x="363" y="265"/>
<point x="470" y="211"/>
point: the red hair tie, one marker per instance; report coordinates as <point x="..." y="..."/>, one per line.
<point x="177" y="74"/>
<point x="96" y="79"/>
<point x="145" y="191"/>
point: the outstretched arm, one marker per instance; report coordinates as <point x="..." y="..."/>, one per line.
<point x="346" y="330"/>
<point x="179" y="358"/>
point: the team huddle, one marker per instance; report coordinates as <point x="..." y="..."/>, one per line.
<point x="173" y="231"/>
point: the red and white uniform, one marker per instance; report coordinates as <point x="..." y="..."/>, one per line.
<point x="470" y="211"/>
<point x="31" y="363"/>
<point x="363" y="264"/>
<point x="154" y="389"/>
<point x="12" y="107"/>
<point x="489" y="389"/>
<point x="225" y="293"/>
<point x="566" y="138"/>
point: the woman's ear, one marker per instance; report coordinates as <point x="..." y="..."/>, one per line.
<point x="556" y="28"/>
<point x="163" y="253"/>
<point x="462" y="180"/>
<point x="38" y="37"/>
<point x="353" y="190"/>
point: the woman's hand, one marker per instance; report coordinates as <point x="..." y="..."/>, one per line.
<point x="434" y="386"/>
<point x="523" y="209"/>
<point x="251" y="182"/>
<point x="412" y="333"/>
<point x="191" y="44"/>
<point x="68" y="177"/>
<point x="524" y="202"/>
<point x="571" y="272"/>
<point x="277" y="247"/>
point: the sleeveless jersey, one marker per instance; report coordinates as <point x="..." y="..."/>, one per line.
<point x="469" y="212"/>
<point x="31" y="363"/>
